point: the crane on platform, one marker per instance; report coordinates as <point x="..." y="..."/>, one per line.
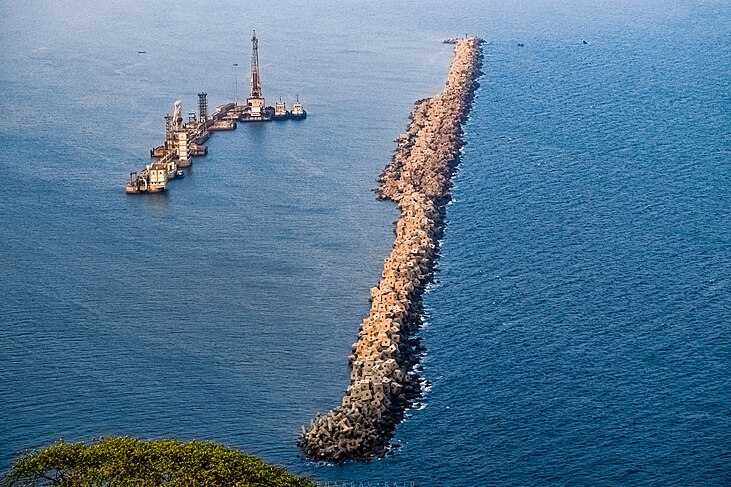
<point x="255" y="101"/>
<point x="177" y="115"/>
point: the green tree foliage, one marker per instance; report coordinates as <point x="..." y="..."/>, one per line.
<point x="127" y="462"/>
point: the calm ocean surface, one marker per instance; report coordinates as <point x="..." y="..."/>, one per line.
<point x="578" y="329"/>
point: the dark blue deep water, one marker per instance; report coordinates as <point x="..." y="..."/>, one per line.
<point x="577" y="332"/>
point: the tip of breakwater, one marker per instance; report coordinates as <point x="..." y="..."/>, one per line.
<point x="384" y="377"/>
<point x="454" y="40"/>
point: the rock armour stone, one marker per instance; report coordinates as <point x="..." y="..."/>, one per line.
<point x="383" y="382"/>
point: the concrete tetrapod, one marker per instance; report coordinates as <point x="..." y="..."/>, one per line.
<point x="383" y="381"/>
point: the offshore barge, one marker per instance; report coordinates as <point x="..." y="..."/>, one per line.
<point x="185" y="140"/>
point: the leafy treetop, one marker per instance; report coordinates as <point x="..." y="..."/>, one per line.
<point x="128" y="462"/>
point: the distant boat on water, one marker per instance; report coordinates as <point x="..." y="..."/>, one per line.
<point x="280" y="110"/>
<point x="298" y="113"/>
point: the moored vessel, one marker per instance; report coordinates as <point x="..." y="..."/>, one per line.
<point x="133" y="185"/>
<point x="280" y="110"/>
<point x="298" y="113"/>
<point x="221" y="125"/>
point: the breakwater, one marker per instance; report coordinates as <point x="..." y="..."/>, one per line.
<point x="383" y="380"/>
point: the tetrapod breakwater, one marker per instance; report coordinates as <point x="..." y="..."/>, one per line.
<point x="383" y="380"/>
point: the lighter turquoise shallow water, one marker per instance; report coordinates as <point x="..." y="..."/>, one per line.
<point x="578" y="329"/>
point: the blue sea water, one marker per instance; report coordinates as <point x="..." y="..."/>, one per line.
<point x="577" y="332"/>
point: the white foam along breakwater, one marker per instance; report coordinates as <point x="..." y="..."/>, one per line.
<point x="383" y="382"/>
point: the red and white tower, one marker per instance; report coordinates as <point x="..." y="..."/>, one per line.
<point x="255" y="101"/>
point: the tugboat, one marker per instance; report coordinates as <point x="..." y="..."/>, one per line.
<point x="298" y="113"/>
<point x="280" y="110"/>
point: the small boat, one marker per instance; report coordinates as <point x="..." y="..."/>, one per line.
<point x="179" y="173"/>
<point x="298" y="113"/>
<point x="280" y="110"/>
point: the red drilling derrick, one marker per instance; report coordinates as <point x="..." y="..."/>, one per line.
<point x="255" y="81"/>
